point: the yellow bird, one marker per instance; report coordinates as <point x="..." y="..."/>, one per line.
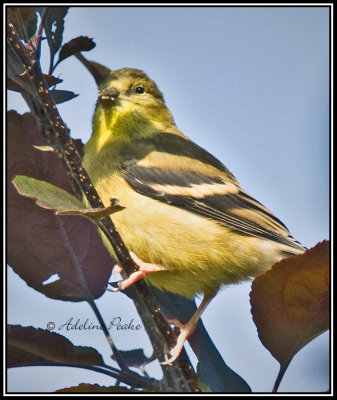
<point x="190" y="227"/>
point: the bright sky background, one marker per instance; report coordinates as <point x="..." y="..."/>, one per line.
<point x="250" y="85"/>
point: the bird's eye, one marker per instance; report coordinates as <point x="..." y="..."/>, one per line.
<point x="140" y="89"/>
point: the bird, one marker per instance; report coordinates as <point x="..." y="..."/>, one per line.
<point x="189" y="226"/>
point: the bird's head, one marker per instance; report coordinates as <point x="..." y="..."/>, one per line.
<point x="131" y="103"/>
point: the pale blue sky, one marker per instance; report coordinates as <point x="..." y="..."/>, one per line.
<point x="249" y="84"/>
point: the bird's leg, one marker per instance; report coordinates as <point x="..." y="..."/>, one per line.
<point x="143" y="270"/>
<point x="187" y="329"/>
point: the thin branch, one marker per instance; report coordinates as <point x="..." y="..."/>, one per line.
<point x="132" y="379"/>
<point x="39" y="32"/>
<point x="60" y="134"/>
<point x="115" y="352"/>
<point x="48" y="37"/>
<point x="43" y="20"/>
<point x="88" y="296"/>
<point x="51" y="49"/>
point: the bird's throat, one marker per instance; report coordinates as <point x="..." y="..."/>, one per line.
<point x="114" y="126"/>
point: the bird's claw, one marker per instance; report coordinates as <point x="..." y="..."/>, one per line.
<point x="174" y="355"/>
<point x="185" y="332"/>
<point x="115" y="289"/>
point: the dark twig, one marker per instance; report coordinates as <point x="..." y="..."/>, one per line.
<point x="130" y="378"/>
<point x="39" y="32"/>
<point x="116" y="354"/>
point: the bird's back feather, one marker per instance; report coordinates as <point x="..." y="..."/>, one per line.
<point x="208" y="189"/>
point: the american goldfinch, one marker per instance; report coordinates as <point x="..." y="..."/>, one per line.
<point x="190" y="227"/>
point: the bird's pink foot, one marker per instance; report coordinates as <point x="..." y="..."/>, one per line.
<point x="143" y="270"/>
<point x="186" y="330"/>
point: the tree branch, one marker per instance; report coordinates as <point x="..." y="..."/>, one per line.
<point x="158" y="328"/>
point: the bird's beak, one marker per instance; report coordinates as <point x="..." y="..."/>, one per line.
<point x="108" y="96"/>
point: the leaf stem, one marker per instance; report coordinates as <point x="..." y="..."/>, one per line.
<point x="283" y="369"/>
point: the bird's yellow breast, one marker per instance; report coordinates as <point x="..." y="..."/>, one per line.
<point x="195" y="251"/>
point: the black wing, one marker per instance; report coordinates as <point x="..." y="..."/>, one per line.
<point x="213" y="193"/>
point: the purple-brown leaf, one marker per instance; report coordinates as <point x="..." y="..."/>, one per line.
<point x="81" y="43"/>
<point x="31" y="346"/>
<point x="40" y="244"/>
<point x="89" y="388"/>
<point x="290" y="302"/>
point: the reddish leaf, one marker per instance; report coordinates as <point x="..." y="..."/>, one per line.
<point x="40" y="244"/>
<point x="88" y="388"/>
<point x="81" y="43"/>
<point x="29" y="346"/>
<point x="290" y="302"/>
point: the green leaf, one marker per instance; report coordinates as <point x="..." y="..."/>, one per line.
<point x="45" y="148"/>
<point x="46" y="195"/>
<point x="54" y="198"/>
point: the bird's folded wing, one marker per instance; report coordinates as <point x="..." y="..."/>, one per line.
<point x="217" y="196"/>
